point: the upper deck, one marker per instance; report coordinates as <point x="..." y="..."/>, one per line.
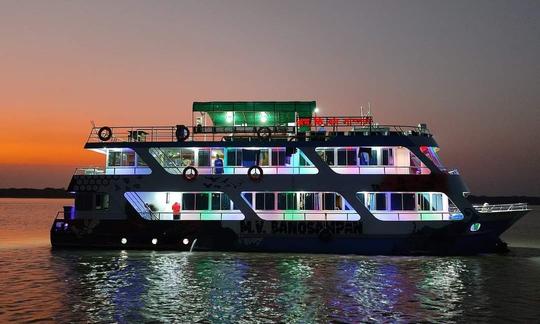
<point x="254" y="121"/>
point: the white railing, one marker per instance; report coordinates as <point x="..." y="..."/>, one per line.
<point x="119" y="170"/>
<point x="244" y="170"/>
<point x="417" y="216"/>
<point x="487" y="208"/>
<point x="379" y="169"/>
<point x="195" y="215"/>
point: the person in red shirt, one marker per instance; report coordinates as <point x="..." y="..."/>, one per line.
<point x="176" y="210"/>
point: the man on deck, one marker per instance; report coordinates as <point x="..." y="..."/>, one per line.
<point x="176" y="210"/>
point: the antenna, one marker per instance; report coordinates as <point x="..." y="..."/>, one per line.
<point x="361" y="110"/>
<point x="369" y="108"/>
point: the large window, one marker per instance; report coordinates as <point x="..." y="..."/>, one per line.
<point x="295" y="201"/>
<point x="347" y="156"/>
<point x="397" y="201"/>
<point x="402" y="201"/>
<point x="234" y="157"/>
<point x="327" y="155"/>
<point x="121" y="159"/>
<point x="264" y="201"/>
<point x="278" y="156"/>
<point x="204" y="157"/>
<point x="206" y="201"/>
<point x="287" y="201"/>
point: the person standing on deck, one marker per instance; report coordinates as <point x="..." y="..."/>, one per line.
<point x="176" y="210"/>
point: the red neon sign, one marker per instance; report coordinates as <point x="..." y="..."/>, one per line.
<point x="334" y="121"/>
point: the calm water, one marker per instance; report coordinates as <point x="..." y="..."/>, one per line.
<point x="144" y="286"/>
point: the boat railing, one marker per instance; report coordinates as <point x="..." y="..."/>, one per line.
<point x="488" y="208"/>
<point x="113" y="170"/>
<point x="248" y="133"/>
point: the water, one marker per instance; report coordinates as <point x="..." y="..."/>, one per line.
<point x="145" y="286"/>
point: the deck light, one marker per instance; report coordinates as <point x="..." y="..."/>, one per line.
<point x="229" y="117"/>
<point x="154" y="241"/>
<point x="264" y="117"/>
<point x="316" y="110"/>
<point x="123" y="240"/>
<point x="185" y="241"/>
<point x="475" y="227"/>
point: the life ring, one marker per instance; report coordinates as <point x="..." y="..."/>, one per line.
<point x="264" y="133"/>
<point x="255" y="173"/>
<point x="182" y="133"/>
<point x="190" y="173"/>
<point x="105" y="133"/>
<point x="325" y="235"/>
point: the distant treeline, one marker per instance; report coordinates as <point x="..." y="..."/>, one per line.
<point x="34" y="193"/>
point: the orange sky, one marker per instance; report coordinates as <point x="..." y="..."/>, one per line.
<point x="469" y="70"/>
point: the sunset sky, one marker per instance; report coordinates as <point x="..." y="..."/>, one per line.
<point x="469" y="69"/>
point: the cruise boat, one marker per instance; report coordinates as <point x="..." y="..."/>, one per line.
<point x="276" y="177"/>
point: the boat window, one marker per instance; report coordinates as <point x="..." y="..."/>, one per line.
<point x="329" y="201"/>
<point x="396" y="202"/>
<point x="248" y="196"/>
<point x="364" y="155"/>
<point x="387" y="156"/>
<point x="346" y="156"/>
<point x="264" y="201"/>
<point x="121" y="159"/>
<point x="234" y="157"/>
<point x="264" y="157"/>
<point x="201" y="201"/>
<point x="220" y="201"/>
<point x="380" y="201"/>
<point x="409" y="202"/>
<point x="362" y="198"/>
<point x="424" y="201"/>
<point x="188" y="201"/>
<point x="278" y="156"/>
<point x="327" y="155"/>
<point x="432" y="154"/>
<point x="302" y="160"/>
<point x="140" y="161"/>
<point x="187" y="157"/>
<point x="287" y="201"/>
<point x="204" y="157"/>
<point x="102" y="200"/>
<point x="437" y="202"/>
<point x="308" y="201"/>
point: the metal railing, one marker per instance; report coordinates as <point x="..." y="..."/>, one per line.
<point x="219" y="215"/>
<point x="116" y="170"/>
<point x="487" y="208"/>
<point x="234" y="133"/>
<point x="418" y="215"/>
<point x="379" y="169"/>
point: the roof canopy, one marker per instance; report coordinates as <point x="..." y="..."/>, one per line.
<point x="255" y="113"/>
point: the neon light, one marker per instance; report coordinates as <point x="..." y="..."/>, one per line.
<point x="475" y="227"/>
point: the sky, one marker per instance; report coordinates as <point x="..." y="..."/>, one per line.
<point x="469" y="69"/>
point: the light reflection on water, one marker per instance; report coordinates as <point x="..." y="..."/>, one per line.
<point x="145" y="286"/>
<point x="137" y="286"/>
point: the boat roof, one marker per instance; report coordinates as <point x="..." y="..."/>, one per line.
<point x="255" y="113"/>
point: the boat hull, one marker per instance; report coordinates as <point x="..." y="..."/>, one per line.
<point x="453" y="238"/>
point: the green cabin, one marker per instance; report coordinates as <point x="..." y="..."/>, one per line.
<point x="255" y="113"/>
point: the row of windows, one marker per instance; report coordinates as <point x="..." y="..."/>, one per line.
<point x="206" y="157"/>
<point x="206" y="201"/>
<point x="295" y="201"/>
<point x="355" y="156"/>
<point x="382" y="201"/>
<point x="127" y="158"/>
